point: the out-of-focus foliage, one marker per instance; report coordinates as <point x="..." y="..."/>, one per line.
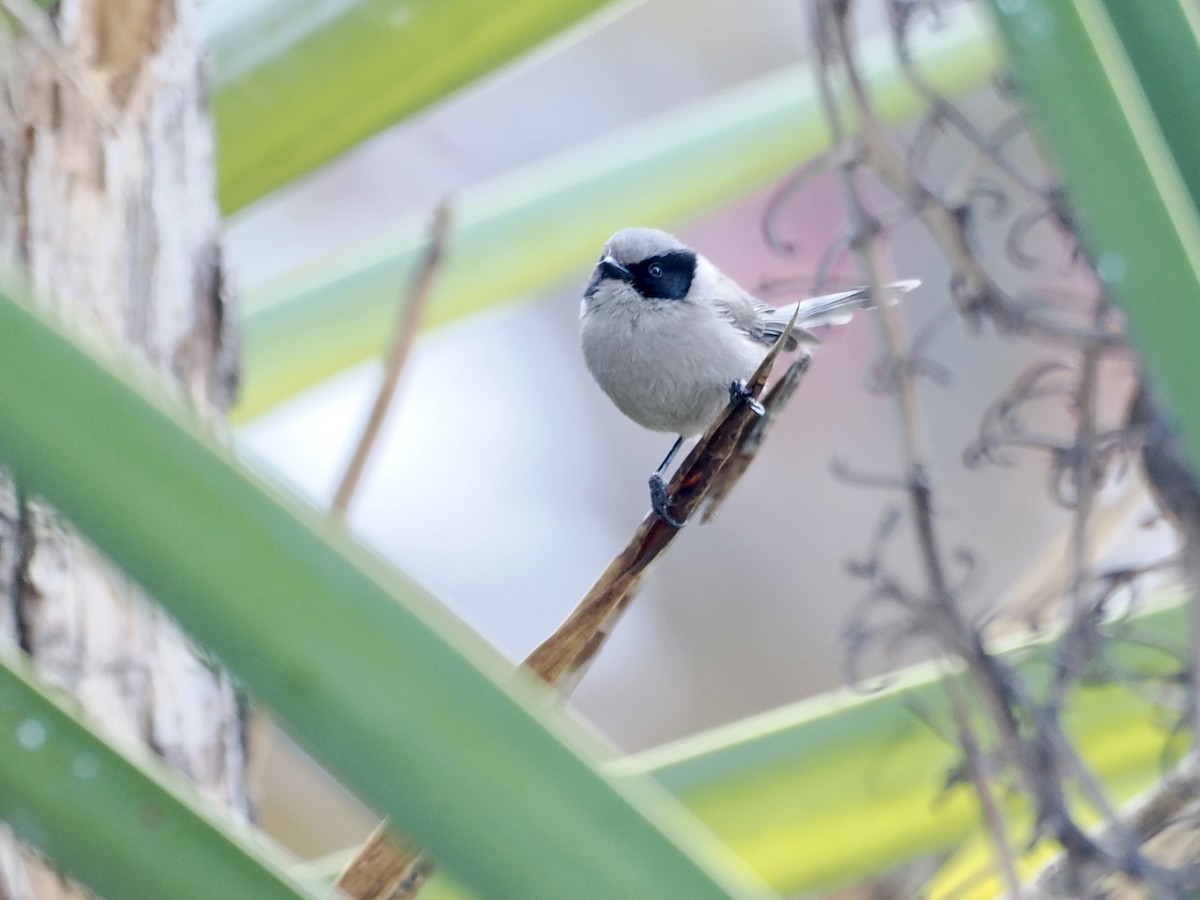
<point x="297" y="83"/>
<point x="1107" y="74"/>
<point x="374" y="677"/>
<point x="371" y="674"/>
<point x="128" y="828"/>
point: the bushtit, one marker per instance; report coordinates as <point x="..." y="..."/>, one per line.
<point x="671" y="340"/>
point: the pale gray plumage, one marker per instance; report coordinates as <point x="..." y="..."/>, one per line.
<point x="665" y="333"/>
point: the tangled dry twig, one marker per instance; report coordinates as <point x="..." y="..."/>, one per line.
<point x="1027" y="735"/>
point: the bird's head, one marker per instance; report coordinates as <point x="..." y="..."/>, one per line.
<point x="641" y="264"/>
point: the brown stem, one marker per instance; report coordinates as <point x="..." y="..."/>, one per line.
<point x="977" y="769"/>
<point x="384" y="869"/>
<point x="408" y="323"/>
<point x="709" y="471"/>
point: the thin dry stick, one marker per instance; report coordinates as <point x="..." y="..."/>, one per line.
<point x="1048" y="574"/>
<point x="708" y="472"/>
<point x="978" y="772"/>
<point x="1081" y="612"/>
<point x="901" y="15"/>
<point x="386" y="869"/>
<point x="407" y="325"/>
<point x="975" y="291"/>
<point x="1147" y="816"/>
<point x="1045" y="758"/>
<point x="1168" y="476"/>
<point x="1086" y="488"/>
<point x="827" y="33"/>
<point x="939" y="613"/>
<point x="1087" y="479"/>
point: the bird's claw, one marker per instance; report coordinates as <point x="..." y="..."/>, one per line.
<point x="739" y="393"/>
<point x="661" y="503"/>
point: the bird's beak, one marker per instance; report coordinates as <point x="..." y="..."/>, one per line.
<point x="607" y="268"/>
<point x="610" y="268"/>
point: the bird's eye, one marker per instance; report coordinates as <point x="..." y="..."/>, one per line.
<point x="655" y="271"/>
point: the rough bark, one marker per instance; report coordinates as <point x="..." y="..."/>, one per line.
<point x="107" y="200"/>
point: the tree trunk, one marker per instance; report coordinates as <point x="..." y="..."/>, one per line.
<point x="107" y="199"/>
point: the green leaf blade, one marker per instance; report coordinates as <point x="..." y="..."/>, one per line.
<point x="419" y="716"/>
<point x="120" y="827"/>
<point x="1099" y="94"/>
<point x="297" y="84"/>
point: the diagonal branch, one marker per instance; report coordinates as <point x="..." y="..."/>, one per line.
<point x="388" y="869"/>
<point x="709" y="472"/>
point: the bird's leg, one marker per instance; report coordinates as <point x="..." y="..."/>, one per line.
<point x="659" y="501"/>
<point x="739" y="393"/>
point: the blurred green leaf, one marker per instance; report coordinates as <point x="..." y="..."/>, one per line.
<point x="411" y="710"/>
<point x="536" y="226"/>
<point x="126" y="829"/>
<point x="838" y="788"/>
<point x="298" y="82"/>
<point x="1111" y="87"/>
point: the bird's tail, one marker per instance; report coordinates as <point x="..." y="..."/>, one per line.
<point x="837" y="309"/>
<point x="829" y="309"/>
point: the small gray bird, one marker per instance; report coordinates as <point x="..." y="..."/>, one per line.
<point x="671" y="340"/>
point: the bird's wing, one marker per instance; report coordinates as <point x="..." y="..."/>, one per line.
<point x="742" y="310"/>
<point x="757" y="320"/>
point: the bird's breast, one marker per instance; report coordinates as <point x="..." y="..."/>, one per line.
<point x="667" y="366"/>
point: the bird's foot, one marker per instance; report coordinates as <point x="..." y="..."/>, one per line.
<point x="739" y="393"/>
<point x="661" y="503"/>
